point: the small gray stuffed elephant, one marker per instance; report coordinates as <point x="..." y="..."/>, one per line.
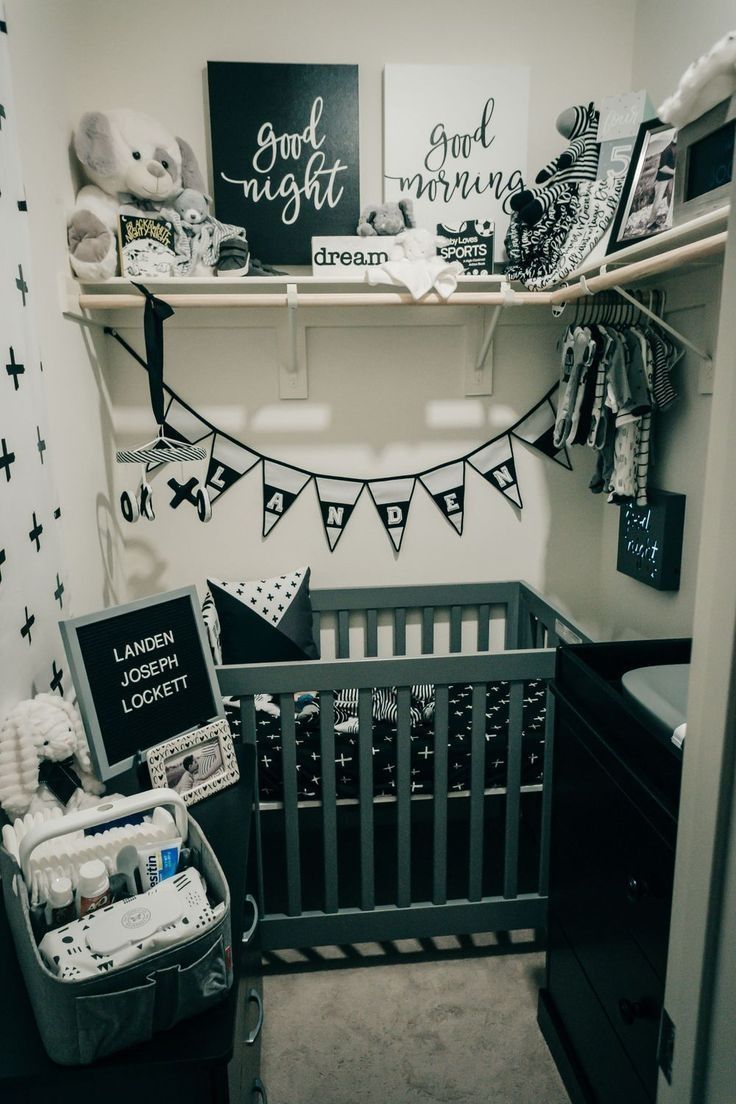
<point x="386" y="218"/>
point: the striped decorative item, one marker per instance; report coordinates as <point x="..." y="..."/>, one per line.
<point x="161" y="451"/>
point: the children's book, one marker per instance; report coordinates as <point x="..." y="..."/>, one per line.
<point x="147" y="246"/>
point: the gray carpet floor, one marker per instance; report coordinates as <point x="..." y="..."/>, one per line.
<point x="458" y="1030"/>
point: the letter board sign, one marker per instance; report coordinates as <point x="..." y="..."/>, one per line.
<point x="143" y="673"/>
<point x="285" y="154"/>
<point x="650" y="540"/>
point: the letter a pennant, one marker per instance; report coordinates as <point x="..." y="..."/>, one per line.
<point x="337" y="498"/>
<point x="495" y="462"/>
<point x="447" y="487"/>
<point x="537" y="429"/>
<point x="392" y="498"/>
<point x="282" y="486"/>
<point x="229" y="462"/>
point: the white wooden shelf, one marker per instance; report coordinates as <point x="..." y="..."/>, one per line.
<point x="694" y="243"/>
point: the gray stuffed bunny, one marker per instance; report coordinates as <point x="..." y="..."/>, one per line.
<point x="386" y="218"/>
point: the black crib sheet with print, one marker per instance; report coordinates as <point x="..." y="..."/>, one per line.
<point x="308" y="748"/>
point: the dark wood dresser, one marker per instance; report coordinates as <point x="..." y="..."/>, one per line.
<point x="614" y="825"/>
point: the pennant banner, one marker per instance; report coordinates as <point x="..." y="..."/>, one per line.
<point x="537" y="429"/>
<point x="229" y="462"/>
<point x="337" y="498"/>
<point x="495" y="462"/>
<point x="447" y="487"/>
<point x="282" y="486"/>
<point x="392" y="498"/>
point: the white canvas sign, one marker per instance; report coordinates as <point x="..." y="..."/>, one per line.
<point x="455" y="140"/>
<point x="349" y="255"/>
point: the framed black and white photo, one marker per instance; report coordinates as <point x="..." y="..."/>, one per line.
<point x="197" y="764"/>
<point x="647" y="200"/>
<point x="285" y="153"/>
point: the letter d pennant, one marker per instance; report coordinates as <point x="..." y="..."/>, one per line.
<point x="392" y="498"/>
<point x="282" y="486"/>
<point x="337" y="498"/>
<point x="495" y="462"/>
<point x="447" y="487"/>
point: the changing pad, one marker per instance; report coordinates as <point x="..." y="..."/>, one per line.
<point x="660" y="695"/>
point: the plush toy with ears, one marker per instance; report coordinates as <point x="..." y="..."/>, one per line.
<point x="386" y="218"/>
<point x="45" y="729"/>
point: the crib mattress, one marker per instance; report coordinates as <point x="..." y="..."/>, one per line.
<point x="309" y="759"/>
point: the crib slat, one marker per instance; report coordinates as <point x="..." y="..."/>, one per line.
<point x="248" y="736"/>
<point x="549" y="728"/>
<point x="484" y="627"/>
<point x="477" y="786"/>
<point x="539" y="634"/>
<point x="399" y="631"/>
<point x="441" y="724"/>
<point x="291" y="808"/>
<point x="371" y="632"/>
<point x="456" y="628"/>
<point x="343" y="634"/>
<point x="403" y="792"/>
<point x="248" y="720"/>
<point x="329" y="797"/>
<point x="427" y="630"/>
<point x="511" y="636"/>
<point x="513" y="783"/>
<point x="365" y="752"/>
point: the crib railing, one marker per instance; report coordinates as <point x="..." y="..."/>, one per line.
<point x="525" y="618"/>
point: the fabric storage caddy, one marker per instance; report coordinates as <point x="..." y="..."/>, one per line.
<point x="80" y="1021"/>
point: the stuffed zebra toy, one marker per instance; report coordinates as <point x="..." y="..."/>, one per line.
<point x="559" y="180"/>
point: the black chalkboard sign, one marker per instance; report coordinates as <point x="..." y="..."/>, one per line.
<point x="650" y="540"/>
<point x="143" y="673"/>
<point x="285" y="157"/>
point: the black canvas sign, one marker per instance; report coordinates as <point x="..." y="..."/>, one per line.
<point x="650" y="540"/>
<point x="285" y="153"/>
<point x="143" y="674"/>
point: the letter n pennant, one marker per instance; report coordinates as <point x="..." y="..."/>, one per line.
<point x="229" y="462"/>
<point x="495" y="462"/>
<point x="337" y="499"/>
<point x="537" y="429"/>
<point x="392" y="498"/>
<point x="282" y="486"/>
<point x="447" y="487"/>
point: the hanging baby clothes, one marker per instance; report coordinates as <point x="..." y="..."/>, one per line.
<point x="612" y="378"/>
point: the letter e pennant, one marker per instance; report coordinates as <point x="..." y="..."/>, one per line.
<point x="282" y="486"/>
<point x="447" y="487"/>
<point x="392" y="498"/>
<point x="537" y="429"/>
<point x="337" y="498"/>
<point x="229" y="462"/>
<point x="495" y="462"/>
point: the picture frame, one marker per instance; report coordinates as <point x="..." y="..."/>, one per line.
<point x="207" y="752"/>
<point x="646" y="206"/>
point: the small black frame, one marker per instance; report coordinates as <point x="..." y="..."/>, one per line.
<point x="634" y="177"/>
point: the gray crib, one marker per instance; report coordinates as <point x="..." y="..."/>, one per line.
<point x="415" y="867"/>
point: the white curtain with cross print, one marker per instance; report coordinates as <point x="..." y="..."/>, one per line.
<point x="32" y="596"/>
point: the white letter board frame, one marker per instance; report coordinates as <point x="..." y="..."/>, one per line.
<point x="108" y="766"/>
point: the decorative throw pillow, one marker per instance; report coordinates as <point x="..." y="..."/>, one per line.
<point x="265" y="620"/>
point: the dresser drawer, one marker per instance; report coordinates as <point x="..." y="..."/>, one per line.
<point x="609" y="1076"/>
<point x="612" y="869"/>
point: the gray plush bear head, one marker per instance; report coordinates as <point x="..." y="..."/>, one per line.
<point x="386" y="218"/>
<point x="193" y="206"/>
<point x="127" y="152"/>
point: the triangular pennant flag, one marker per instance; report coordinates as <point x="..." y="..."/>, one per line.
<point x="447" y="487"/>
<point x="537" y="429"/>
<point x="282" y="486"/>
<point x="337" y="498"/>
<point x="392" y="498"/>
<point x="229" y="461"/>
<point x="495" y="462"/>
